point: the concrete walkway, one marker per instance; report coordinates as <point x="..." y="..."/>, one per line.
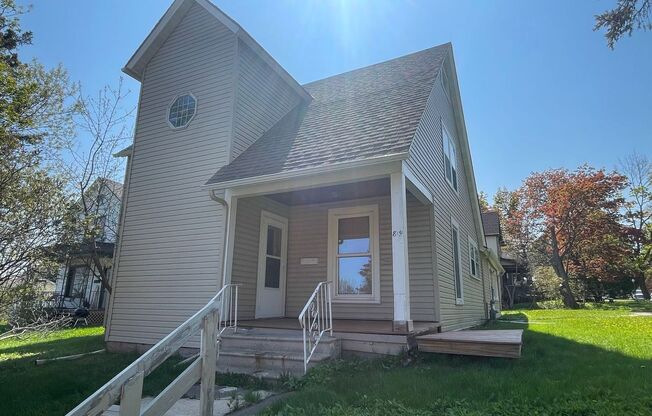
<point x="190" y="407"/>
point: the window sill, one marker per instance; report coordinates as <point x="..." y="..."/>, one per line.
<point x="356" y="301"/>
<point x="475" y="278"/>
<point x="459" y="302"/>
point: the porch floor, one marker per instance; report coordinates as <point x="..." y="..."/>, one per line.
<point x="341" y="325"/>
<point x="487" y="343"/>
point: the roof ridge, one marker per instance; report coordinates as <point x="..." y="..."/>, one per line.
<point x="447" y="44"/>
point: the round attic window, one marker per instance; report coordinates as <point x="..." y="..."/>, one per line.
<point x="182" y="110"/>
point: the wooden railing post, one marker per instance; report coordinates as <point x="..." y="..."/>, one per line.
<point x="131" y="394"/>
<point x="208" y="366"/>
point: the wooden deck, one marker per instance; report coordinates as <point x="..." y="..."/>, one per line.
<point x="489" y="343"/>
<point x="339" y="325"/>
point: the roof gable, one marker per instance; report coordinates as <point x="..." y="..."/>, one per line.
<point x="371" y="112"/>
<point x="136" y="65"/>
<point x="491" y="223"/>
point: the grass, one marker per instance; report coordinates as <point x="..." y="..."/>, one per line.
<point x="593" y="361"/>
<point x="56" y="387"/>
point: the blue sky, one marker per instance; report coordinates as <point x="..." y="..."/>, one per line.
<point x="540" y="89"/>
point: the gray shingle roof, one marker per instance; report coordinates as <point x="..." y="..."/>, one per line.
<point x="491" y="223"/>
<point x="362" y="114"/>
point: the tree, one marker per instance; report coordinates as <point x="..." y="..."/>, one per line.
<point x="35" y="120"/>
<point x="624" y="18"/>
<point x="561" y="214"/>
<point x="92" y="170"/>
<point x="638" y="218"/>
<point x="483" y="201"/>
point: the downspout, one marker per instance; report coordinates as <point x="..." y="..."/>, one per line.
<point x="484" y="291"/>
<point x="225" y="204"/>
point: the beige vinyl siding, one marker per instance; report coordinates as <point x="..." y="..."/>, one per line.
<point x="308" y="237"/>
<point x="170" y="250"/>
<point x="420" y="253"/>
<point x="245" y="251"/>
<point x="262" y="99"/>
<point x="426" y="161"/>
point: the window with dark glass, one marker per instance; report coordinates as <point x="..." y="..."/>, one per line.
<point x="273" y="257"/>
<point x="456" y="262"/>
<point x="450" y="159"/>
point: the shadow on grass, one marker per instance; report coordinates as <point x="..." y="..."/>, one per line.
<point x="555" y="376"/>
<point x="56" y="387"/>
<point x="631" y="305"/>
<point x="44" y="348"/>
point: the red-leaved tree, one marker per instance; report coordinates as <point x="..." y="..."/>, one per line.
<point x="571" y="219"/>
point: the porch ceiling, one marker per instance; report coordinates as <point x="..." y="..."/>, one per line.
<point x="349" y="191"/>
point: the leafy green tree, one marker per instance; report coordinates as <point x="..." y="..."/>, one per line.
<point x="627" y="16"/>
<point x="483" y="200"/>
<point x="638" y="219"/>
<point x="35" y="119"/>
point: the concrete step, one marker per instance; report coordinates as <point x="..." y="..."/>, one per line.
<point x="269" y="364"/>
<point x="279" y="340"/>
<point x="270" y="353"/>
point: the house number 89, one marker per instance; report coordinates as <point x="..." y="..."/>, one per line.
<point x="398" y="233"/>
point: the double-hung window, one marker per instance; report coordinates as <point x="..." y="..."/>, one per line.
<point x="457" y="263"/>
<point x="474" y="259"/>
<point x="353" y="253"/>
<point x="450" y="158"/>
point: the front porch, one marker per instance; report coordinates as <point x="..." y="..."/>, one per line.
<point x="371" y="238"/>
<point x="343" y="326"/>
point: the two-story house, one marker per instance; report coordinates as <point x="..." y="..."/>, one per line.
<point x="78" y="284"/>
<point x="239" y="174"/>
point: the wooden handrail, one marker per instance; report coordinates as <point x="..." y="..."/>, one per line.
<point x="212" y="320"/>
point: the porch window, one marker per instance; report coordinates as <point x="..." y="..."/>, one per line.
<point x="457" y="263"/>
<point x="353" y="253"/>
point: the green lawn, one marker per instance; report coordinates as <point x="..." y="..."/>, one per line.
<point x="56" y="387"/>
<point x="593" y="361"/>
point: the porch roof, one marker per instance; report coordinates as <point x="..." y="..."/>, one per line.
<point x="364" y="114"/>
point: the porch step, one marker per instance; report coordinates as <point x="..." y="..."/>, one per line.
<point x="504" y="343"/>
<point x="279" y="340"/>
<point x="270" y="353"/>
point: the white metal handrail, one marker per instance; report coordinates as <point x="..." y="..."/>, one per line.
<point x="218" y="314"/>
<point x="315" y="319"/>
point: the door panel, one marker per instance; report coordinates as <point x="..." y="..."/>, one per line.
<point x="272" y="266"/>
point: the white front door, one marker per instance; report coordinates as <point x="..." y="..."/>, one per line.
<point x="272" y="265"/>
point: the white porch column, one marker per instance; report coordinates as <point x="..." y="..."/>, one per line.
<point x="400" y="266"/>
<point x="229" y="237"/>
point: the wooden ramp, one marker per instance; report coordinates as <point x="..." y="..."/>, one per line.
<point x="486" y="343"/>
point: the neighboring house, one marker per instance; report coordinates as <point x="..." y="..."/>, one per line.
<point x="513" y="283"/>
<point x="78" y="284"/>
<point x="363" y="179"/>
<point x="494" y="240"/>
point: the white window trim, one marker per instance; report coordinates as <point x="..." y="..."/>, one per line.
<point x="446" y="133"/>
<point x="473" y="245"/>
<point x="334" y="215"/>
<point x="167" y="111"/>
<point x="458" y="301"/>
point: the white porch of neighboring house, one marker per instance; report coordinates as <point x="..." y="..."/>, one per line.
<point x="366" y="230"/>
